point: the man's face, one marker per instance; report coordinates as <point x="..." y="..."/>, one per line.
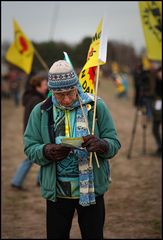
<point x="66" y="98"/>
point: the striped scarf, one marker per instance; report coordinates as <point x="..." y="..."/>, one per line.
<point x="86" y="177"/>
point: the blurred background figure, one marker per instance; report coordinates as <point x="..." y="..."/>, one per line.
<point x="137" y="84"/>
<point x="120" y="81"/>
<point x="148" y="97"/>
<point x="14" y="79"/>
<point x="5" y="91"/>
<point x="35" y="92"/>
<point x="157" y="111"/>
<point x="143" y="85"/>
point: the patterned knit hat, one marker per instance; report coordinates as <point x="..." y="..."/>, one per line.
<point x="61" y="76"/>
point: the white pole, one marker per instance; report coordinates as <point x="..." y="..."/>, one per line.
<point x="94" y="114"/>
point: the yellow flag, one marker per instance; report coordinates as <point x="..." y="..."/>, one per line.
<point x="115" y="67"/>
<point x="151" y="16"/>
<point x="96" y="56"/>
<point x="21" y="50"/>
<point x="146" y="63"/>
<point x="86" y="79"/>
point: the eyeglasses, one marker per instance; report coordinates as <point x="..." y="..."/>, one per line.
<point x="69" y="94"/>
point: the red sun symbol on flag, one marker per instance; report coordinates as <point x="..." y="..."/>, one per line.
<point x="24" y="44"/>
<point x="90" y="54"/>
<point x="91" y="73"/>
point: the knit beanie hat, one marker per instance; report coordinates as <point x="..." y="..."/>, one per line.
<point x="61" y="76"/>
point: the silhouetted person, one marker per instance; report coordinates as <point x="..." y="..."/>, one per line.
<point x="157" y="111"/>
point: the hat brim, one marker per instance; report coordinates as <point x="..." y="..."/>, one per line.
<point x="64" y="90"/>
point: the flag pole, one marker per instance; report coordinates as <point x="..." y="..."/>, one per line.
<point x="98" y="165"/>
<point x="68" y="60"/>
<point x="94" y="114"/>
<point x="41" y="60"/>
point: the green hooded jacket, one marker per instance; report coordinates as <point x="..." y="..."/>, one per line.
<point x="39" y="132"/>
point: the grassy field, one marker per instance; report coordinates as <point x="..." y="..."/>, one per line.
<point x="133" y="203"/>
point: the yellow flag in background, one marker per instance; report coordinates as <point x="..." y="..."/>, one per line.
<point x="96" y="56"/>
<point x="21" y="50"/>
<point x="146" y="63"/>
<point x="151" y="16"/>
<point x="114" y="67"/>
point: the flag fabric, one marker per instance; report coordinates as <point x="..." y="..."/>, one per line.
<point x="146" y="63"/>
<point x="151" y="17"/>
<point x="86" y="78"/>
<point x="21" y="51"/>
<point x="96" y="56"/>
<point x="67" y="59"/>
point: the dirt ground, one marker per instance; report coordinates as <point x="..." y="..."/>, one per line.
<point x="133" y="203"/>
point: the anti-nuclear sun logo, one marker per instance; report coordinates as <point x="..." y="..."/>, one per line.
<point x="153" y="20"/>
<point x="21" y="44"/>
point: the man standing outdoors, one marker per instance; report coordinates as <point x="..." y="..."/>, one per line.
<point x="67" y="181"/>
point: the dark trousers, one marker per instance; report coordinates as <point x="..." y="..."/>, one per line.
<point x="156" y="133"/>
<point x="60" y="215"/>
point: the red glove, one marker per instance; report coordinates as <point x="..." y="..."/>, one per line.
<point x="95" y="144"/>
<point x="55" y="152"/>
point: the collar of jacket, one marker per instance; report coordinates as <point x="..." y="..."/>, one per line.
<point x="47" y="104"/>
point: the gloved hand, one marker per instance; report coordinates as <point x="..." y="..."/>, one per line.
<point x="95" y="144"/>
<point x="55" y="152"/>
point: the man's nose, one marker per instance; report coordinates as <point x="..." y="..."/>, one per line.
<point x="66" y="100"/>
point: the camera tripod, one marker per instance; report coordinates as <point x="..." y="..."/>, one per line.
<point x="141" y="110"/>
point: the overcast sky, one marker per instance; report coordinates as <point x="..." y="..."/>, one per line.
<point x="72" y="21"/>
